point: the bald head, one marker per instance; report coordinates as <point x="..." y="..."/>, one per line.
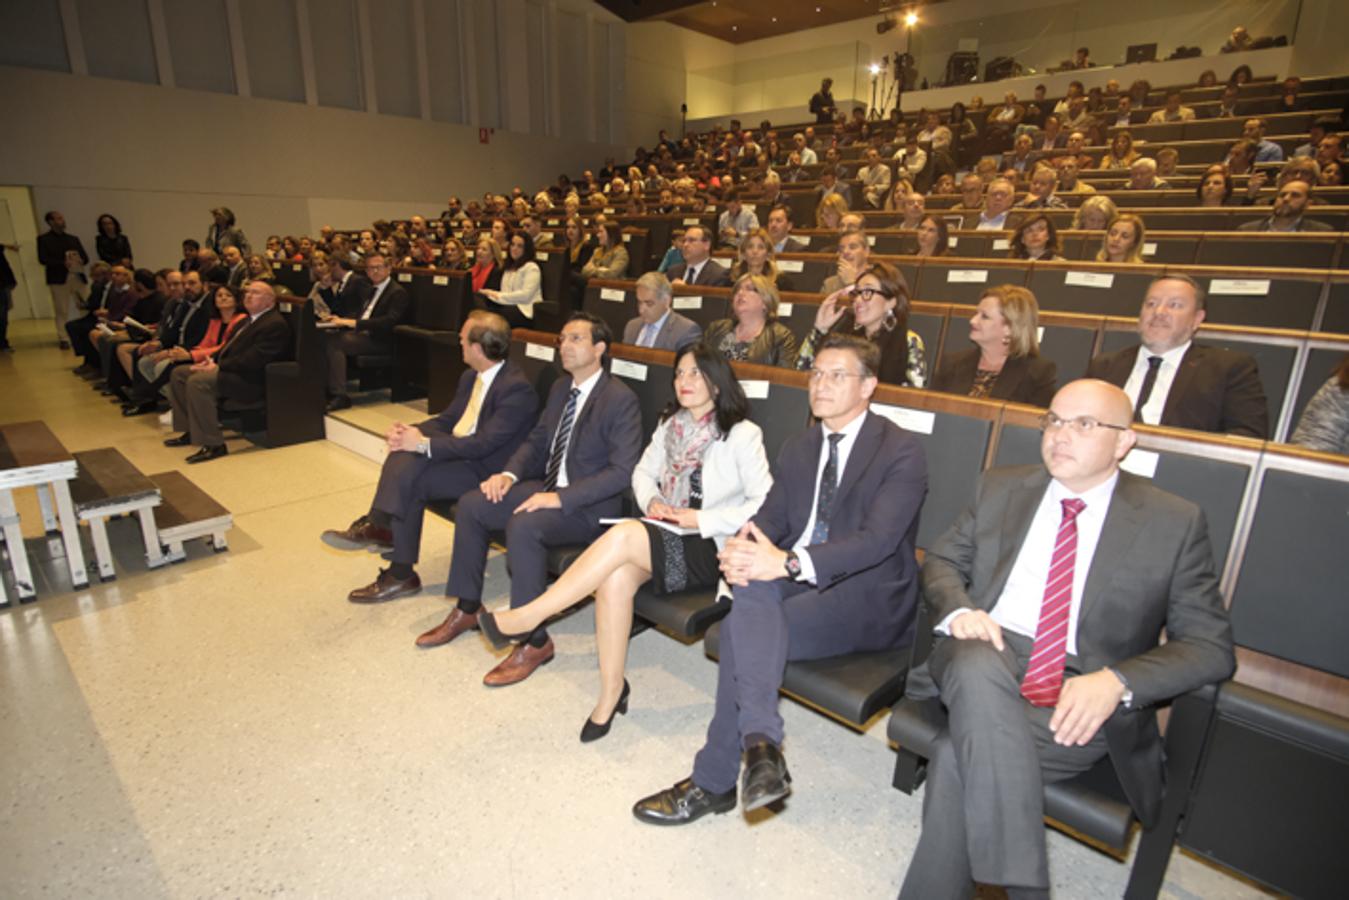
<point x="1087" y="433"/>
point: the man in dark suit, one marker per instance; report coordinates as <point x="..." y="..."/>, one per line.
<point x="570" y="472"/>
<point x="444" y="457"/>
<point x="236" y="270"/>
<point x="63" y="282"/>
<point x="347" y="291"/>
<point x="697" y="269"/>
<point x="1048" y="595"/>
<point x="1175" y="382"/>
<point x="780" y="230"/>
<point x="370" y="332"/>
<point x="1289" y="204"/>
<point x="237" y="372"/>
<point x="825" y="567"/>
<point x="657" y="325"/>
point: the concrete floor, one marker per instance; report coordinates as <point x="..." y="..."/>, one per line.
<point x="231" y="726"/>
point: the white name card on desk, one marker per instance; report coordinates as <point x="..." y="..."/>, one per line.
<point x="627" y="238"/>
<point x="405" y="277"/>
<point x="440" y="280"/>
<point x="1040" y="333"/>
<point x="785" y="310"/>
<point x="692" y="222"/>
<point x="755" y="390"/>
<point x="953" y="242"/>
<point x="285" y="307"/>
<point x="541" y="256"/>
<point x="608" y="211"/>
<point x="1149" y="248"/>
<point x="1002" y="244"/>
<point x="915" y="420"/>
<point x="688" y="303"/>
<point x="967" y="276"/>
<point x="613" y="294"/>
<point x="803" y="238"/>
<point x="724" y="261"/>
<point x="791" y="265"/>
<point x="276" y="266"/>
<point x="540" y="351"/>
<point x="871" y="240"/>
<point x="635" y="371"/>
<point x="1140" y="462"/>
<point x="1090" y="279"/>
<point x="1239" y="287"/>
<point x="297" y="267"/>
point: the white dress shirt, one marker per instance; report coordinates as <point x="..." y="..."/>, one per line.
<point x="994" y="224"/>
<point x="1151" y="413"/>
<point x="849" y="432"/>
<point x="374" y="298"/>
<point x="646" y="337"/>
<point x="1018" y="606"/>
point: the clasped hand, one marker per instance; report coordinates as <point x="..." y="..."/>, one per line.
<point x="751" y="556"/>
<point x="1085" y="701"/>
<point x="404" y="437"/>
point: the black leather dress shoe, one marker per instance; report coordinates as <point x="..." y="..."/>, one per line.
<point x="682" y="804"/>
<point x="341" y="401"/>
<point x="138" y="409"/>
<point x="386" y="587"/>
<point x="205" y="454"/>
<point x="766" y="779"/>
<point x="182" y="440"/>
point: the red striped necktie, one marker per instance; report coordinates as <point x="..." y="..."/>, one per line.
<point x="1044" y="675"/>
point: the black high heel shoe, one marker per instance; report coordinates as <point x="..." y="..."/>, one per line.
<point x="593" y="731"/>
<point x="499" y="639"/>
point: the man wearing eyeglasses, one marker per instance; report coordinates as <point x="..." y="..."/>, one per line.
<point x="1175" y="382"/>
<point x="1048" y="594"/>
<point x="370" y="332"/>
<point x="826" y="567"/>
<point x="570" y="472"/>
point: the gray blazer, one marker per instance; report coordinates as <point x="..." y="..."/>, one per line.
<point x="1152" y="569"/>
<point x="676" y="332"/>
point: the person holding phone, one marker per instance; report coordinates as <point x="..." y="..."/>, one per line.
<point x="875" y="307"/>
<point x="702" y="477"/>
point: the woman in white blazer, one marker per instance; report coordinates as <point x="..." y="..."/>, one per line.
<point x="705" y="474"/>
<point x="521" y="283"/>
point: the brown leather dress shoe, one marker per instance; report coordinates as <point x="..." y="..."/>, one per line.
<point x="522" y="662"/>
<point x="358" y="535"/>
<point x="455" y="624"/>
<point x="386" y="587"/>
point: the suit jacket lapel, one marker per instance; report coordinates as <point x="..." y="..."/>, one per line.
<point x="1123" y="523"/>
<point x="1180" y="385"/>
<point x="591" y="402"/>
<point x="1016" y="519"/>
<point x="864" y="449"/>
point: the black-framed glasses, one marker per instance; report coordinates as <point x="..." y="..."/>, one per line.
<point x="1079" y="424"/>
<point x="868" y="293"/>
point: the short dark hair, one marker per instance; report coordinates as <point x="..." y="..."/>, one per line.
<point x="786" y="210"/>
<point x="191" y="244"/>
<point x="48" y="217"/>
<point x="145" y="278"/>
<point x="1181" y="276"/>
<point x="702" y="229"/>
<point x="491" y="332"/>
<point x="728" y="397"/>
<point x="600" y="333"/>
<point x="867" y="353"/>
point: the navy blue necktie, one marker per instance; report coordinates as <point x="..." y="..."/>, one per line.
<point x="824" y="502"/>
<point x="560" y="441"/>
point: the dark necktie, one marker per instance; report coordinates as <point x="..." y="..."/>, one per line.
<point x="560" y="441"/>
<point x="824" y="502"/>
<point x="1144" y="392"/>
<point x="692" y="275"/>
<point x="1044" y="673"/>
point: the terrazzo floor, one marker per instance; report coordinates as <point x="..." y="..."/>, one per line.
<point x="231" y="726"/>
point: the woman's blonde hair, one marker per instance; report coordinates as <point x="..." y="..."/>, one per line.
<point x="1103" y="205"/>
<point x="1136" y="251"/>
<point x="762" y="286"/>
<point x="830" y="202"/>
<point x="1022" y="313"/>
<point x="770" y="264"/>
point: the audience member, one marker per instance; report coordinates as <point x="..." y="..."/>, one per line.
<point x="755" y="256"/>
<point x="1069" y="182"/>
<point x="369" y="333"/>
<point x="610" y="259"/>
<point x="571" y="471"/>
<point x="854" y="251"/>
<point x="63" y="280"/>
<point x="876" y="307"/>
<point x="1005" y="361"/>
<point x="657" y="325"/>
<point x="1172" y="111"/>
<point x="822" y="103"/>
<point x="859" y="545"/>
<point x="875" y="178"/>
<point x="1041" y="194"/>
<point x="522" y="280"/>
<point x="697" y="268"/>
<point x="1123" y="241"/>
<point x="971" y="194"/>
<point x="1143" y="176"/>
<point x="1009" y="651"/>
<point x="237" y="372"/>
<point x="443" y="458"/>
<point x="780" y="231"/>
<point x="1121" y="154"/>
<point x="830" y="186"/>
<point x="1175" y="382"/>
<point x="1265" y="150"/>
<point x="1289" y="204"/>
<point x="224" y="233"/>
<point x="1324" y="424"/>
<point x="705" y="473"/>
<point x="997" y="207"/>
<point x="1035" y="238"/>
<point x="753" y="332"/>
<point x="111" y="245"/>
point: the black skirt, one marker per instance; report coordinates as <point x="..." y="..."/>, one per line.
<point x="681" y="562"/>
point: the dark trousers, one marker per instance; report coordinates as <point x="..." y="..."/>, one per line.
<point x="407" y="482"/>
<point x="528" y="538"/>
<point x="340" y="345"/>
<point x="983" y="807"/>
<point x="6" y="298"/>
<point x="79" y="330"/>
<point x="770" y="623"/>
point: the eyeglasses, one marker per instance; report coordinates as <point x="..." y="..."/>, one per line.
<point x="1079" y="424"/>
<point x="835" y="377"/>
<point x="868" y="293"/>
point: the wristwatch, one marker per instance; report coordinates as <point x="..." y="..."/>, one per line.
<point x="793" y="564"/>
<point x="424" y="447"/>
<point x="1128" y="699"/>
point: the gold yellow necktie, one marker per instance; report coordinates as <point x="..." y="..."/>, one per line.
<point x="469" y="420"/>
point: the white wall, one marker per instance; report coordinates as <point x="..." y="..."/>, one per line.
<point x="159" y="158"/>
<point x="659" y="60"/>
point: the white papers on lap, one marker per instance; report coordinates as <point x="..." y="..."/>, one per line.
<point x="668" y="526"/>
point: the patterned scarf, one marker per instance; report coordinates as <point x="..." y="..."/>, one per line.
<point x="686" y="440"/>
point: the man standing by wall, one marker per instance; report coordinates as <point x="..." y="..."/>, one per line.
<point x="61" y="281"/>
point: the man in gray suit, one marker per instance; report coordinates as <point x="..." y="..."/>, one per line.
<point x="1048" y="594"/>
<point x="657" y="325"/>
